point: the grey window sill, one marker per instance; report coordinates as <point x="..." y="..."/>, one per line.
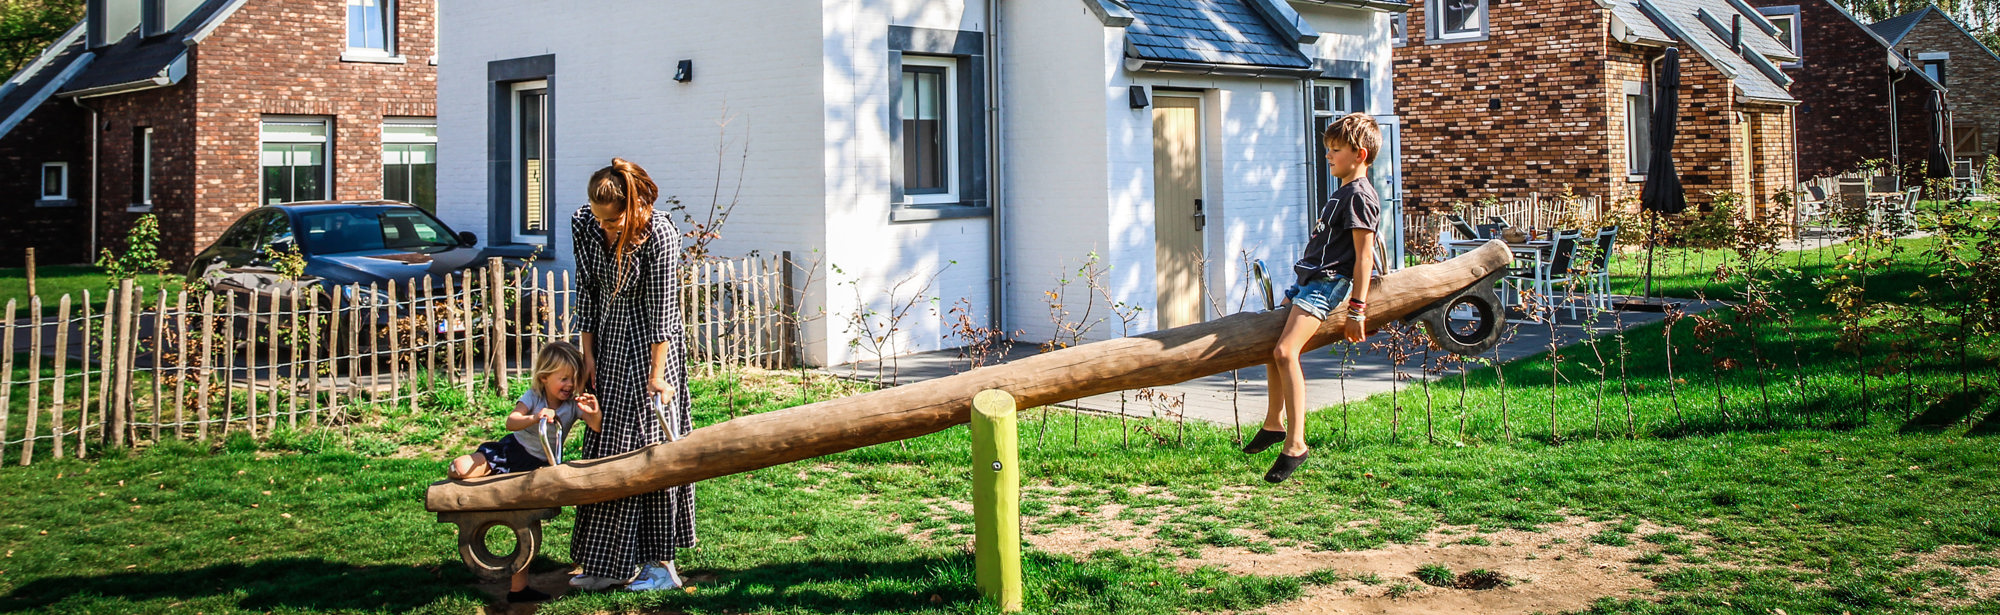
<point x="55" y="202"/>
<point x="920" y="213"/>
<point x="1461" y="39"/>
<point x="537" y="251"/>
<point x="140" y="209"/>
<point x="1635" y="177"/>
<point x="373" y="59"/>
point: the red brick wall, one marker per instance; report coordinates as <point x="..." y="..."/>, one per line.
<point x="170" y="113"/>
<point x="1543" y="65"/>
<point x="1559" y="81"/>
<point x="1972" y="75"/>
<point x="1843" y="84"/>
<point x="60" y="235"/>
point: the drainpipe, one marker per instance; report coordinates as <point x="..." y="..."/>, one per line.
<point x="95" y="127"/>
<point x="1895" y="144"/>
<point x="996" y="171"/>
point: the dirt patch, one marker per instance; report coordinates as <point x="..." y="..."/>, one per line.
<point x="1982" y="582"/>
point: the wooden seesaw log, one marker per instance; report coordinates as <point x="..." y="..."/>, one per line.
<point x="804" y="432"/>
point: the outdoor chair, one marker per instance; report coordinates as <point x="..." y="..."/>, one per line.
<point x="1461" y="227"/>
<point x="1500" y="221"/>
<point x="1964" y="177"/>
<point x="1811" y="209"/>
<point x="1544" y="275"/>
<point x="1489" y="231"/>
<point x="1886" y="183"/>
<point x="1599" y="269"/>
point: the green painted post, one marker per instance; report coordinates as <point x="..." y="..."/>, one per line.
<point x="996" y="498"/>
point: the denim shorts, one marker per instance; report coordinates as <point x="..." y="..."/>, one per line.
<point x="508" y="456"/>
<point x="1318" y="296"/>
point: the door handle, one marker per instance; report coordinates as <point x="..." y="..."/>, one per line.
<point x="1200" y="219"/>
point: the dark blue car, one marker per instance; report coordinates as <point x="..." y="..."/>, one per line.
<point x="351" y="252"/>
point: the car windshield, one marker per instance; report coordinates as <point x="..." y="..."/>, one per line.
<point x="372" y="229"/>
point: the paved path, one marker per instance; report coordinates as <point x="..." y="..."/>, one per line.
<point x="1210" y="398"/>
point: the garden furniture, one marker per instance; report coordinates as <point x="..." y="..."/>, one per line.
<point x="1544" y="273"/>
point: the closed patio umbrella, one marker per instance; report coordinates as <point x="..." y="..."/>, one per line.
<point x="1663" y="194"/>
<point x="1939" y="161"/>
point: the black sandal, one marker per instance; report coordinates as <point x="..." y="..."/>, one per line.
<point x="1283" y="468"/>
<point x="1263" y="440"/>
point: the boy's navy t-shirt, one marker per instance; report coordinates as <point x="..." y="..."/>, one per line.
<point x="1330" y="251"/>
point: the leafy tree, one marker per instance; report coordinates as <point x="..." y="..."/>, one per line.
<point x="29" y="26"/>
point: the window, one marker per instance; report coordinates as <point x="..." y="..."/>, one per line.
<point x="1638" y="128"/>
<point x="371" y="26"/>
<point x="530" y="141"/>
<point x="142" y="169"/>
<point x="928" y="129"/>
<point x="55" y="181"/>
<point x="1332" y="98"/>
<point x="1399" y="28"/>
<point x="1933" y="64"/>
<point x="294" y="160"/>
<point x="1456" y="19"/>
<point x="1786" y="18"/>
<point x="409" y="162"/>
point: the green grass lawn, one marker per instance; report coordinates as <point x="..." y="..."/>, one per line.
<point x="54" y="281"/>
<point x="1825" y="482"/>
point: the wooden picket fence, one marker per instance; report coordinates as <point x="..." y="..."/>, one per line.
<point x="1422" y="230"/>
<point x="154" y="365"/>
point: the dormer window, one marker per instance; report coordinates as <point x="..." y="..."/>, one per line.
<point x="1786" y="19"/>
<point x="1457" y="19"/>
<point x="371" y="27"/>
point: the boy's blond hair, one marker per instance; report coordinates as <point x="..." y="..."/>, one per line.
<point x="1358" y="130"/>
<point x="556" y="355"/>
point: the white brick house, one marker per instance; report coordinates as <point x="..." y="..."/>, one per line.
<point x="871" y="132"/>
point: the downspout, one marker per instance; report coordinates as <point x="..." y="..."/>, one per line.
<point x="996" y="169"/>
<point x="94" y="138"/>
<point x="1895" y="143"/>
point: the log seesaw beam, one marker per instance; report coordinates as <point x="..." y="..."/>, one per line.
<point x="1156" y="359"/>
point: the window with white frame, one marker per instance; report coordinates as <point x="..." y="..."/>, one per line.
<point x="530" y="140"/>
<point x="1455" y="19"/>
<point x="1638" y="128"/>
<point x="1786" y="18"/>
<point x="294" y="159"/>
<point x="1399" y="28"/>
<point x="1331" y="99"/>
<point x="371" y="26"/>
<point x="142" y="168"/>
<point x="55" y="181"/>
<point x="929" y="129"/>
<point x="409" y="162"/>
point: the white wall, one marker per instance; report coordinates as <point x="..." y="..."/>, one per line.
<point x="614" y="96"/>
<point x="1058" y="97"/>
<point x="884" y="265"/>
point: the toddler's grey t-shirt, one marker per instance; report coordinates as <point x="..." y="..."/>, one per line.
<point x="531" y="437"/>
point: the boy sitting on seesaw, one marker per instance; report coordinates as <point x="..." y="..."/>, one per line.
<point x="551" y="401"/>
<point x="1337" y="259"/>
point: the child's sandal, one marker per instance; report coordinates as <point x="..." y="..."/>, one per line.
<point x="1263" y="440"/>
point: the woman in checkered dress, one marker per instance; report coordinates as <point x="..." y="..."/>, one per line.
<point x="628" y="312"/>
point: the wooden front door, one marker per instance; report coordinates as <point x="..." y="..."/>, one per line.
<point x="1177" y="210"/>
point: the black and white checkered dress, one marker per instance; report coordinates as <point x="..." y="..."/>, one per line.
<point x="612" y="538"/>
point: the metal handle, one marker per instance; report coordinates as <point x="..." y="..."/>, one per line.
<point x="1200" y="219"/>
<point x="1263" y="277"/>
<point x="554" y="453"/>
<point x="660" y="411"/>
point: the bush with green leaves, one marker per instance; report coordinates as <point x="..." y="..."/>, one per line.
<point x="141" y="253"/>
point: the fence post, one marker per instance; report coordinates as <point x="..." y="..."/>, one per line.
<point x="6" y="374"/>
<point x="996" y="498"/>
<point x="496" y="344"/>
<point x="31" y="278"/>
<point x="208" y="361"/>
<point x="114" y="426"/>
<point x="62" y="372"/>
<point x="159" y="356"/>
<point x="34" y="378"/>
<point x="792" y="352"/>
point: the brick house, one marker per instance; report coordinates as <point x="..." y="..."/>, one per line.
<point x="198" y="110"/>
<point x="1500" y="99"/>
<point x="1857" y="93"/>
<point x="1952" y="57"/>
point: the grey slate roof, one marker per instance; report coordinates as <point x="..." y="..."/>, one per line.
<point x="1895" y="28"/>
<point x="136" y="59"/>
<point x="1757" y="79"/>
<point x="24" y="89"/>
<point x="1223" y="32"/>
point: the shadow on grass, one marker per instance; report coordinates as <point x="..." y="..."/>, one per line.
<point x="1947" y="412"/>
<point x="842" y="585"/>
<point x="308" y="584"/>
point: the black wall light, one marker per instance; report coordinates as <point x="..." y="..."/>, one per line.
<point x="684" y="72"/>
<point x="1138" y="95"/>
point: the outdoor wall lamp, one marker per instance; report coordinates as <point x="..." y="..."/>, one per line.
<point x="1137" y="94"/>
<point x="684" y="72"/>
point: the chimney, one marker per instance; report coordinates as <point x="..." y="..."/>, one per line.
<point x="108" y="21"/>
<point x="1736" y="33"/>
